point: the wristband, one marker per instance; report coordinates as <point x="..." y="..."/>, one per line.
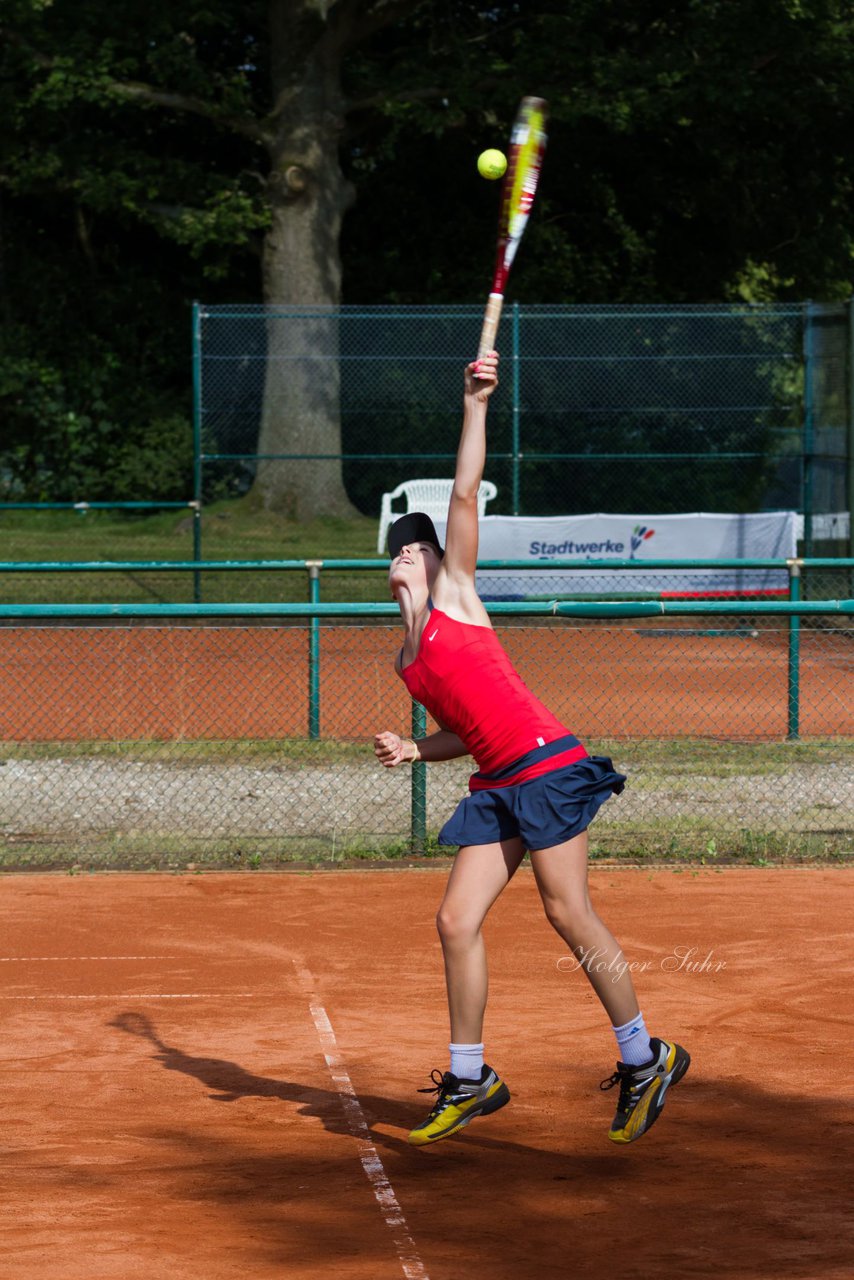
<point x="417" y="755"/>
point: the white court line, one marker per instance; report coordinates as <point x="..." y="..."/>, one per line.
<point x="142" y="995"/>
<point x="413" y="1267"/>
<point x="59" y="959"/>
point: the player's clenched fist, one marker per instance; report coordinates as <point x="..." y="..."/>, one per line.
<point x="481" y="376"/>
<point x="391" y="750"/>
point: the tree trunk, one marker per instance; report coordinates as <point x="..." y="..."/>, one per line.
<point x="302" y="273"/>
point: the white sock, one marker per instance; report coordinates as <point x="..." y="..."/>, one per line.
<point x="466" y="1061"/>
<point x="633" y="1042"/>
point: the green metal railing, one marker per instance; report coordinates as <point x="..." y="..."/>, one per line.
<point x="83" y="507"/>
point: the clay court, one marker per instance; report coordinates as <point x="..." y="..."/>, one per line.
<point x="213" y="1075"/>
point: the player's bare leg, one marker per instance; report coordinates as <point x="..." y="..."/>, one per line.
<point x="479" y="874"/>
<point x="561" y="874"/>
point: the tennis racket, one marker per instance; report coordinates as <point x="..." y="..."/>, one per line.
<point x="524" y="161"/>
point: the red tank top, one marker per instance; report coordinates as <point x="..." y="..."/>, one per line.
<point x="467" y="682"/>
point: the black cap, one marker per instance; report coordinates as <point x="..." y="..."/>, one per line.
<point x="415" y="526"/>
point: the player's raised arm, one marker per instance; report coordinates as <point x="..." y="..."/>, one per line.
<point x="461" y="539"/>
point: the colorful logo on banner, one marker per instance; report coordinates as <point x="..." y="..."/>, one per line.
<point x="640" y="535"/>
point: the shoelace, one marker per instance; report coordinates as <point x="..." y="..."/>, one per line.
<point x="624" y="1080"/>
<point x="439" y="1087"/>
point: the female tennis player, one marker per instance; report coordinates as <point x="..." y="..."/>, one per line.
<point x="536" y="790"/>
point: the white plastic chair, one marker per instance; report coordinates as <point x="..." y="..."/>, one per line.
<point x="431" y="497"/>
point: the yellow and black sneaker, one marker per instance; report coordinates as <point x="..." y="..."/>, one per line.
<point x="643" y="1089"/>
<point x="457" y="1103"/>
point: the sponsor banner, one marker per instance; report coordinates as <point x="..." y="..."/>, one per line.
<point x="580" y="539"/>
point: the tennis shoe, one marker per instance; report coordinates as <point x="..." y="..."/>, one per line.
<point x="643" y="1089"/>
<point x="457" y="1103"/>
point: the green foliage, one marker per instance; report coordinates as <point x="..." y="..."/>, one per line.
<point x="114" y="216"/>
<point x="692" y="147"/>
<point x="698" y="151"/>
<point x="71" y="434"/>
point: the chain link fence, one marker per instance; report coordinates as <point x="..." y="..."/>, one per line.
<point x="247" y="741"/>
<point x="622" y="409"/>
<point x="625" y="409"/>
<point x="222" y="743"/>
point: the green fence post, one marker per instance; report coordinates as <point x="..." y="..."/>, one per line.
<point x="314" y="567"/>
<point x="418" y="838"/>
<point x="850" y="404"/>
<point x="794" y="698"/>
<point x="197" y="549"/>
<point x="807" y="497"/>
<point x="517" y="410"/>
<point x="197" y="448"/>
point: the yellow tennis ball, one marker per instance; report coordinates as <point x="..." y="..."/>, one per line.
<point x="492" y="164"/>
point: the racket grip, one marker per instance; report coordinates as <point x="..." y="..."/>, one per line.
<point x="491" y="317"/>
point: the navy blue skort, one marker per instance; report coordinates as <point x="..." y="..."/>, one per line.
<point x="543" y="811"/>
